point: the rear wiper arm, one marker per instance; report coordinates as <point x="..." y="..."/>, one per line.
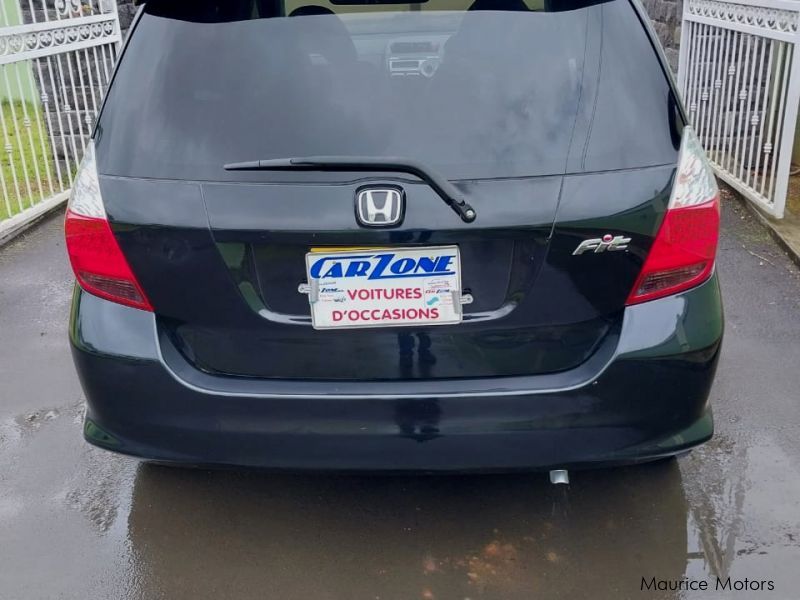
<point x="446" y="190"/>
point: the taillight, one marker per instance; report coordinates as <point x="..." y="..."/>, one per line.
<point x="684" y="251"/>
<point x="98" y="263"/>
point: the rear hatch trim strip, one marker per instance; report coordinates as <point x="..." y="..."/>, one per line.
<point x="522" y="385"/>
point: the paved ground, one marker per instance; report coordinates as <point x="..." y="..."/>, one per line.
<point x="78" y="523"/>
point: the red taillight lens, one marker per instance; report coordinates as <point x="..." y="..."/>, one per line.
<point x="98" y="262"/>
<point x="682" y="255"/>
<point x="684" y="251"/>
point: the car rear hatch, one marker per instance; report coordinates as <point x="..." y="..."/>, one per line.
<point x="534" y="113"/>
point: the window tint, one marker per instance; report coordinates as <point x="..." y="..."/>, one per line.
<point x="535" y="88"/>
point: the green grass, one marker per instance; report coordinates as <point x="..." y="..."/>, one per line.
<point x="28" y="191"/>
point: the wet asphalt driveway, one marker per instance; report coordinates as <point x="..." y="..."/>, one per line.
<point x="76" y="522"/>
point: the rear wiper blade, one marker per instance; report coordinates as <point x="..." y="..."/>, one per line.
<point x="446" y="190"/>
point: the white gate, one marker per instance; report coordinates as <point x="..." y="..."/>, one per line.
<point x="56" y="58"/>
<point x="741" y="85"/>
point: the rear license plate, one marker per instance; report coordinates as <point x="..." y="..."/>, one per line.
<point x="384" y="287"/>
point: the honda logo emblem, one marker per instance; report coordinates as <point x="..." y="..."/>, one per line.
<point x="380" y="207"/>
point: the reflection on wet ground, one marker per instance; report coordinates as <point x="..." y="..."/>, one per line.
<point x="144" y="531"/>
<point x="76" y="522"/>
<point x="399" y="537"/>
<point x="744" y="516"/>
<point x="403" y="537"/>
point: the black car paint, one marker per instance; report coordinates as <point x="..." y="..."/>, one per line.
<point x="641" y="396"/>
<point x="541" y="310"/>
<point x="213" y="379"/>
<point x="220" y="253"/>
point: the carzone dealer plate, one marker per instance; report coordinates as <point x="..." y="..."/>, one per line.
<point x="386" y="287"/>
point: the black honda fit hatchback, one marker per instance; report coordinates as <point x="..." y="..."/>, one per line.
<point x="363" y="235"/>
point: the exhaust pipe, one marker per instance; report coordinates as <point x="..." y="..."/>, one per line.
<point x="559" y="476"/>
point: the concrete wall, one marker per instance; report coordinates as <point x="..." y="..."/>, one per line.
<point x="126" y="13"/>
<point x="666" y="18"/>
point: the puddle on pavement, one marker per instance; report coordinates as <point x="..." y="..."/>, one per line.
<point x="728" y="510"/>
<point x="744" y="518"/>
<point x="400" y="537"/>
<point x="459" y="537"/>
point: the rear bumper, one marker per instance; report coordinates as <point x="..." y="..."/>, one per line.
<point x="643" y="395"/>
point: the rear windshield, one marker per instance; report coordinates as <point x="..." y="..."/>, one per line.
<point x="475" y="89"/>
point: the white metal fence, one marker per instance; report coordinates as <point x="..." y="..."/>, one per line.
<point x="741" y="85"/>
<point x="56" y="58"/>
